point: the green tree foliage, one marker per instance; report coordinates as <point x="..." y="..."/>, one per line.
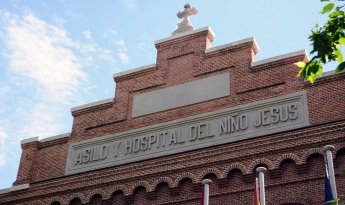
<point x="327" y="42"/>
<point x="334" y="202"/>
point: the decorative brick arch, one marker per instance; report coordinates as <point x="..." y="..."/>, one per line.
<point x="37" y="202"/>
<point x="53" y="199"/>
<point x="256" y="162"/>
<point x="144" y="184"/>
<point x="233" y="166"/>
<point x="106" y="194"/>
<point x="126" y="191"/>
<point x="185" y="175"/>
<point x="283" y="157"/>
<point x="302" y="201"/>
<point x="64" y="200"/>
<point x="209" y="171"/>
<point x="339" y="147"/>
<point x="81" y="195"/>
<point x="168" y="180"/>
<point x="310" y="152"/>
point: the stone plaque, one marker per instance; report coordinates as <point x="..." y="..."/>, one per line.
<point x="180" y="95"/>
<point x="209" y="129"/>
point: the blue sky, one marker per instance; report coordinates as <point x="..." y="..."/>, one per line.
<point x="55" y="55"/>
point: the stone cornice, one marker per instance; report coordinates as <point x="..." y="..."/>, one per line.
<point x="326" y="77"/>
<point x="281" y="59"/>
<point x="15" y="188"/>
<point x="45" y="142"/>
<point x="92" y="106"/>
<point x="29" y="140"/>
<point x="133" y="72"/>
<point x="185" y="34"/>
<point x="232" y="45"/>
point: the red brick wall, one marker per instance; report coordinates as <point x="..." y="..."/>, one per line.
<point x="28" y="163"/>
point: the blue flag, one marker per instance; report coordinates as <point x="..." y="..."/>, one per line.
<point x="328" y="191"/>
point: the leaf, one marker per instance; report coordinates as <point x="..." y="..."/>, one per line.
<point x="335" y="14"/>
<point x="312" y="78"/>
<point x="342" y="40"/>
<point x="312" y="70"/>
<point x="316" y="26"/>
<point x="324" y="0"/>
<point x="339" y="55"/>
<point x="340" y="67"/>
<point x="315" y="68"/>
<point x="300" y="64"/>
<point x="301" y="72"/>
<point x="327" y="8"/>
<point x="319" y="71"/>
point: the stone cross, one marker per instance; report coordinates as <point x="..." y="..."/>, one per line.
<point x="185" y="24"/>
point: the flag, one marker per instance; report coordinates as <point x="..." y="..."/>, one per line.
<point x="328" y="189"/>
<point x="256" y="192"/>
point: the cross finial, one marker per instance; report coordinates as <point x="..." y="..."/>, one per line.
<point x="185" y="24"/>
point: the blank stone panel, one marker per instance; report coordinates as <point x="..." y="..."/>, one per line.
<point x="181" y="95"/>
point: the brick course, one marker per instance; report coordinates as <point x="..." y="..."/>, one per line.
<point x="294" y="158"/>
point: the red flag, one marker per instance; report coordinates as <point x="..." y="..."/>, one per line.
<point x="202" y="197"/>
<point x="256" y="192"/>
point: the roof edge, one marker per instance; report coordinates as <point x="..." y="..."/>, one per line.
<point x="133" y="70"/>
<point x="15" y="188"/>
<point x="234" y="43"/>
<point x="180" y="35"/>
<point x="47" y="139"/>
<point x="280" y="57"/>
<point x="29" y="140"/>
<point x="99" y="102"/>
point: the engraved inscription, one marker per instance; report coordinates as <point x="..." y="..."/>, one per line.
<point x="243" y="122"/>
<point x="276" y="115"/>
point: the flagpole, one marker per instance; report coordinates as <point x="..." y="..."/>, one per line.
<point x="329" y="149"/>
<point x="206" y="183"/>
<point x="261" y="171"/>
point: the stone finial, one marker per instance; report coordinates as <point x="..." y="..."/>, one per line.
<point x="329" y="148"/>
<point x="185" y="24"/>
<point x="206" y="181"/>
<point x="261" y="169"/>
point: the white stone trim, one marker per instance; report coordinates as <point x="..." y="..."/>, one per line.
<point x="32" y="139"/>
<point x="325" y="74"/>
<point x="14" y="188"/>
<point x="328" y="73"/>
<point x="235" y="43"/>
<point x="37" y="139"/>
<point x="280" y="57"/>
<point x="133" y="70"/>
<point x="55" y="137"/>
<point x="92" y="104"/>
<point x="4" y="191"/>
<point x="179" y="35"/>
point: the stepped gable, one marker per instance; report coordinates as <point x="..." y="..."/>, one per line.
<point x="200" y="111"/>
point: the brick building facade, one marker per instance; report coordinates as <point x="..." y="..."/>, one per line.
<point x="198" y="112"/>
